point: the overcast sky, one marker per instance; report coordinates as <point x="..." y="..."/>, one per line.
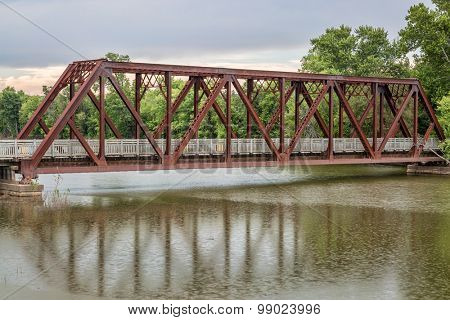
<point x="258" y="34"/>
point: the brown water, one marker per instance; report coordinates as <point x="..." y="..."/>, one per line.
<point x="349" y="232"/>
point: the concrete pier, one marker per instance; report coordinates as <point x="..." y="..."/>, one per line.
<point x="435" y="170"/>
<point x="10" y="187"/>
<point x="7" y="172"/>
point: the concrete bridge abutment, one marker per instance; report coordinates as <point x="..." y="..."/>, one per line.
<point x="10" y="187"/>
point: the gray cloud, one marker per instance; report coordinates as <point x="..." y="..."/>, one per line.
<point x="170" y="29"/>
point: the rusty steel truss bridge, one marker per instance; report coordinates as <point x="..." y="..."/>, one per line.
<point x="383" y="114"/>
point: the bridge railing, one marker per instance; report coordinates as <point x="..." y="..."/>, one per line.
<point x="23" y="149"/>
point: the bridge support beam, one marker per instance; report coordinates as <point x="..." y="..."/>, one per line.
<point x="282" y="113"/>
<point x="12" y="188"/>
<point x="196" y="100"/>
<point x="238" y="91"/>
<point x="228" y="126"/>
<point x="330" y="151"/>
<point x="250" y="86"/>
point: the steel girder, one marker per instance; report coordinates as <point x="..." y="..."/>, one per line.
<point x="314" y="97"/>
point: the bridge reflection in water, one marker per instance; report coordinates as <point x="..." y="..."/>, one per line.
<point x="187" y="247"/>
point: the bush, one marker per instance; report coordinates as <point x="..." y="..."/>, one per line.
<point x="444" y="119"/>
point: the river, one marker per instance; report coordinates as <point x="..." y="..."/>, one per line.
<point x="330" y="232"/>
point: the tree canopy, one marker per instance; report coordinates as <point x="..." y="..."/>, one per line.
<point x="10" y="105"/>
<point x="427" y="37"/>
<point x="365" y="51"/>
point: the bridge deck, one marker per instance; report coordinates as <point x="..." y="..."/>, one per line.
<point x="60" y="149"/>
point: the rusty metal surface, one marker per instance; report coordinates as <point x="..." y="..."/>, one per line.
<point x="132" y="67"/>
<point x="146" y="166"/>
<point x="312" y="95"/>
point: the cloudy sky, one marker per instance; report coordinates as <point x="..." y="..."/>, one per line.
<point x="258" y="34"/>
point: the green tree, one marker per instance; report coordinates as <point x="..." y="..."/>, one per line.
<point x="29" y="105"/>
<point x="427" y="36"/>
<point x="366" y="51"/>
<point x="443" y="111"/>
<point x="10" y="103"/>
<point x="112" y="56"/>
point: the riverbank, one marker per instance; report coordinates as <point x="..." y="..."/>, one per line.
<point x="441" y="170"/>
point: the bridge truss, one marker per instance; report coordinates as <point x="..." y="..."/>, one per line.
<point x="391" y="109"/>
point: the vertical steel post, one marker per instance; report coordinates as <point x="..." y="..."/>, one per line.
<point x="415" y="119"/>
<point x="228" y="126"/>
<point x="374" y="118"/>
<point x="168" y="80"/>
<point x="330" y="123"/>
<point x="101" y="130"/>
<point x="250" y="97"/>
<point x="282" y="83"/>
<point x="381" y="115"/>
<point x="71" y="94"/>
<point x="137" y="102"/>
<point x="341" y="115"/>
<point x="196" y="88"/>
<point x="297" y="107"/>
